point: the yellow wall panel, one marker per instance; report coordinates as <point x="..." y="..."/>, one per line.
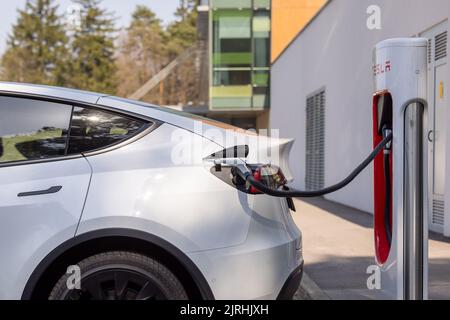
<point x="288" y="18"/>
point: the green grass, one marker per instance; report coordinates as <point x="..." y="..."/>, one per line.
<point x="118" y="131"/>
<point x="10" y="152"/>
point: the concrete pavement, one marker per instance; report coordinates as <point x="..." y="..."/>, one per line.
<point x="338" y="247"/>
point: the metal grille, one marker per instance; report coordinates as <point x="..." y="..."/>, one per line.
<point x="438" y="212"/>
<point x="440" y="51"/>
<point x="430" y="43"/>
<point x="315" y="141"/>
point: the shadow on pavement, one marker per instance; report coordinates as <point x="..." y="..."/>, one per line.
<point x="345" y="278"/>
<point x="438" y="237"/>
<point x="338" y="249"/>
<point x="361" y="218"/>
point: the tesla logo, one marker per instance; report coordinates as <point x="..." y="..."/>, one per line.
<point x="381" y="68"/>
<point x="374" y="280"/>
<point x="74" y="278"/>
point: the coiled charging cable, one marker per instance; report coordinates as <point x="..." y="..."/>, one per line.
<point x="247" y="176"/>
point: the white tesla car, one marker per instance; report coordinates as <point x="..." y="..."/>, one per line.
<point x="106" y="198"/>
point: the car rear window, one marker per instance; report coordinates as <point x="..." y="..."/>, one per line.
<point x="93" y="129"/>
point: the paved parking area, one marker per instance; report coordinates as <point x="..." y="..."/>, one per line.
<point x="338" y="248"/>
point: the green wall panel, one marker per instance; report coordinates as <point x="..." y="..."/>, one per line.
<point x="232" y="4"/>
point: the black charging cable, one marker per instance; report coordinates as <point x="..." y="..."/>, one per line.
<point x="247" y="176"/>
<point x="387" y="179"/>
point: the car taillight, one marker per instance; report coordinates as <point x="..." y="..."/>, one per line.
<point x="257" y="175"/>
<point x="225" y="170"/>
<point x="270" y="175"/>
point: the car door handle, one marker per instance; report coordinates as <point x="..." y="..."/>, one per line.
<point x="50" y="190"/>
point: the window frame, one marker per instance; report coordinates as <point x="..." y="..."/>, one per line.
<point x="150" y="125"/>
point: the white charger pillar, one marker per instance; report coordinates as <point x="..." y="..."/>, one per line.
<point x="401" y="228"/>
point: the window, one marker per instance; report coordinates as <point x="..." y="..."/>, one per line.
<point x="262" y="53"/>
<point x="36" y="130"/>
<point x="261" y="38"/>
<point x="232" y="45"/>
<point x="232" y="78"/>
<point x="32" y="130"/>
<point x="240" y="55"/>
<point x="235" y="45"/>
<point x="94" y="129"/>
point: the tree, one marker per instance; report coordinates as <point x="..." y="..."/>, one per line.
<point x="36" y="48"/>
<point x="141" y="53"/>
<point x="181" y="35"/>
<point x="93" y="65"/>
<point x="147" y="48"/>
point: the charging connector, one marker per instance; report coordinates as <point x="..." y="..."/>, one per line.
<point x="387" y="178"/>
<point x="386" y="133"/>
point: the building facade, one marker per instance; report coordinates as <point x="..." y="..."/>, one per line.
<point x="321" y="95"/>
<point x="288" y="18"/>
<point x="240" y="55"/>
<point x="244" y="36"/>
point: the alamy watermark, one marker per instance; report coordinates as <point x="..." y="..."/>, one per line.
<point x="73" y="281"/>
<point x="374" y="279"/>
<point x="374" y="17"/>
<point x="191" y="147"/>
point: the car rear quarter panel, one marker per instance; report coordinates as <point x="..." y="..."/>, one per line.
<point x="141" y="186"/>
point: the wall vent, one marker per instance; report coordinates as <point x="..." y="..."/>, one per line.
<point x="440" y="50"/>
<point x="438" y="212"/>
<point x="315" y="141"/>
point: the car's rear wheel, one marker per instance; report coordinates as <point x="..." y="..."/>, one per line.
<point x="119" y="275"/>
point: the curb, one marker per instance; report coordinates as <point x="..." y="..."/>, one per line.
<point x="309" y="290"/>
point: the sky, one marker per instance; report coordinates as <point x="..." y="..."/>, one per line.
<point x="122" y="8"/>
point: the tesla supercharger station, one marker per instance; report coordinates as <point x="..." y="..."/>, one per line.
<point x="400" y="173"/>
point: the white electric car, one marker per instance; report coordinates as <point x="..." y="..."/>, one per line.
<point x="106" y="198"/>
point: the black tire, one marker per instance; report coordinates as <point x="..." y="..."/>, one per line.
<point x="120" y="275"/>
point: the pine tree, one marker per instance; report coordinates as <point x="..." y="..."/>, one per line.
<point x="93" y="65"/>
<point x="142" y="52"/>
<point x="36" y="48"/>
<point x="183" y="32"/>
<point x="181" y="35"/>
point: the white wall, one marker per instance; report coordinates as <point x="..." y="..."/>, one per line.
<point x="335" y="52"/>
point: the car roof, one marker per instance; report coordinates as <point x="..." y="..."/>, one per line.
<point x="74" y="95"/>
<point x="177" y="118"/>
<point x="49" y="91"/>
